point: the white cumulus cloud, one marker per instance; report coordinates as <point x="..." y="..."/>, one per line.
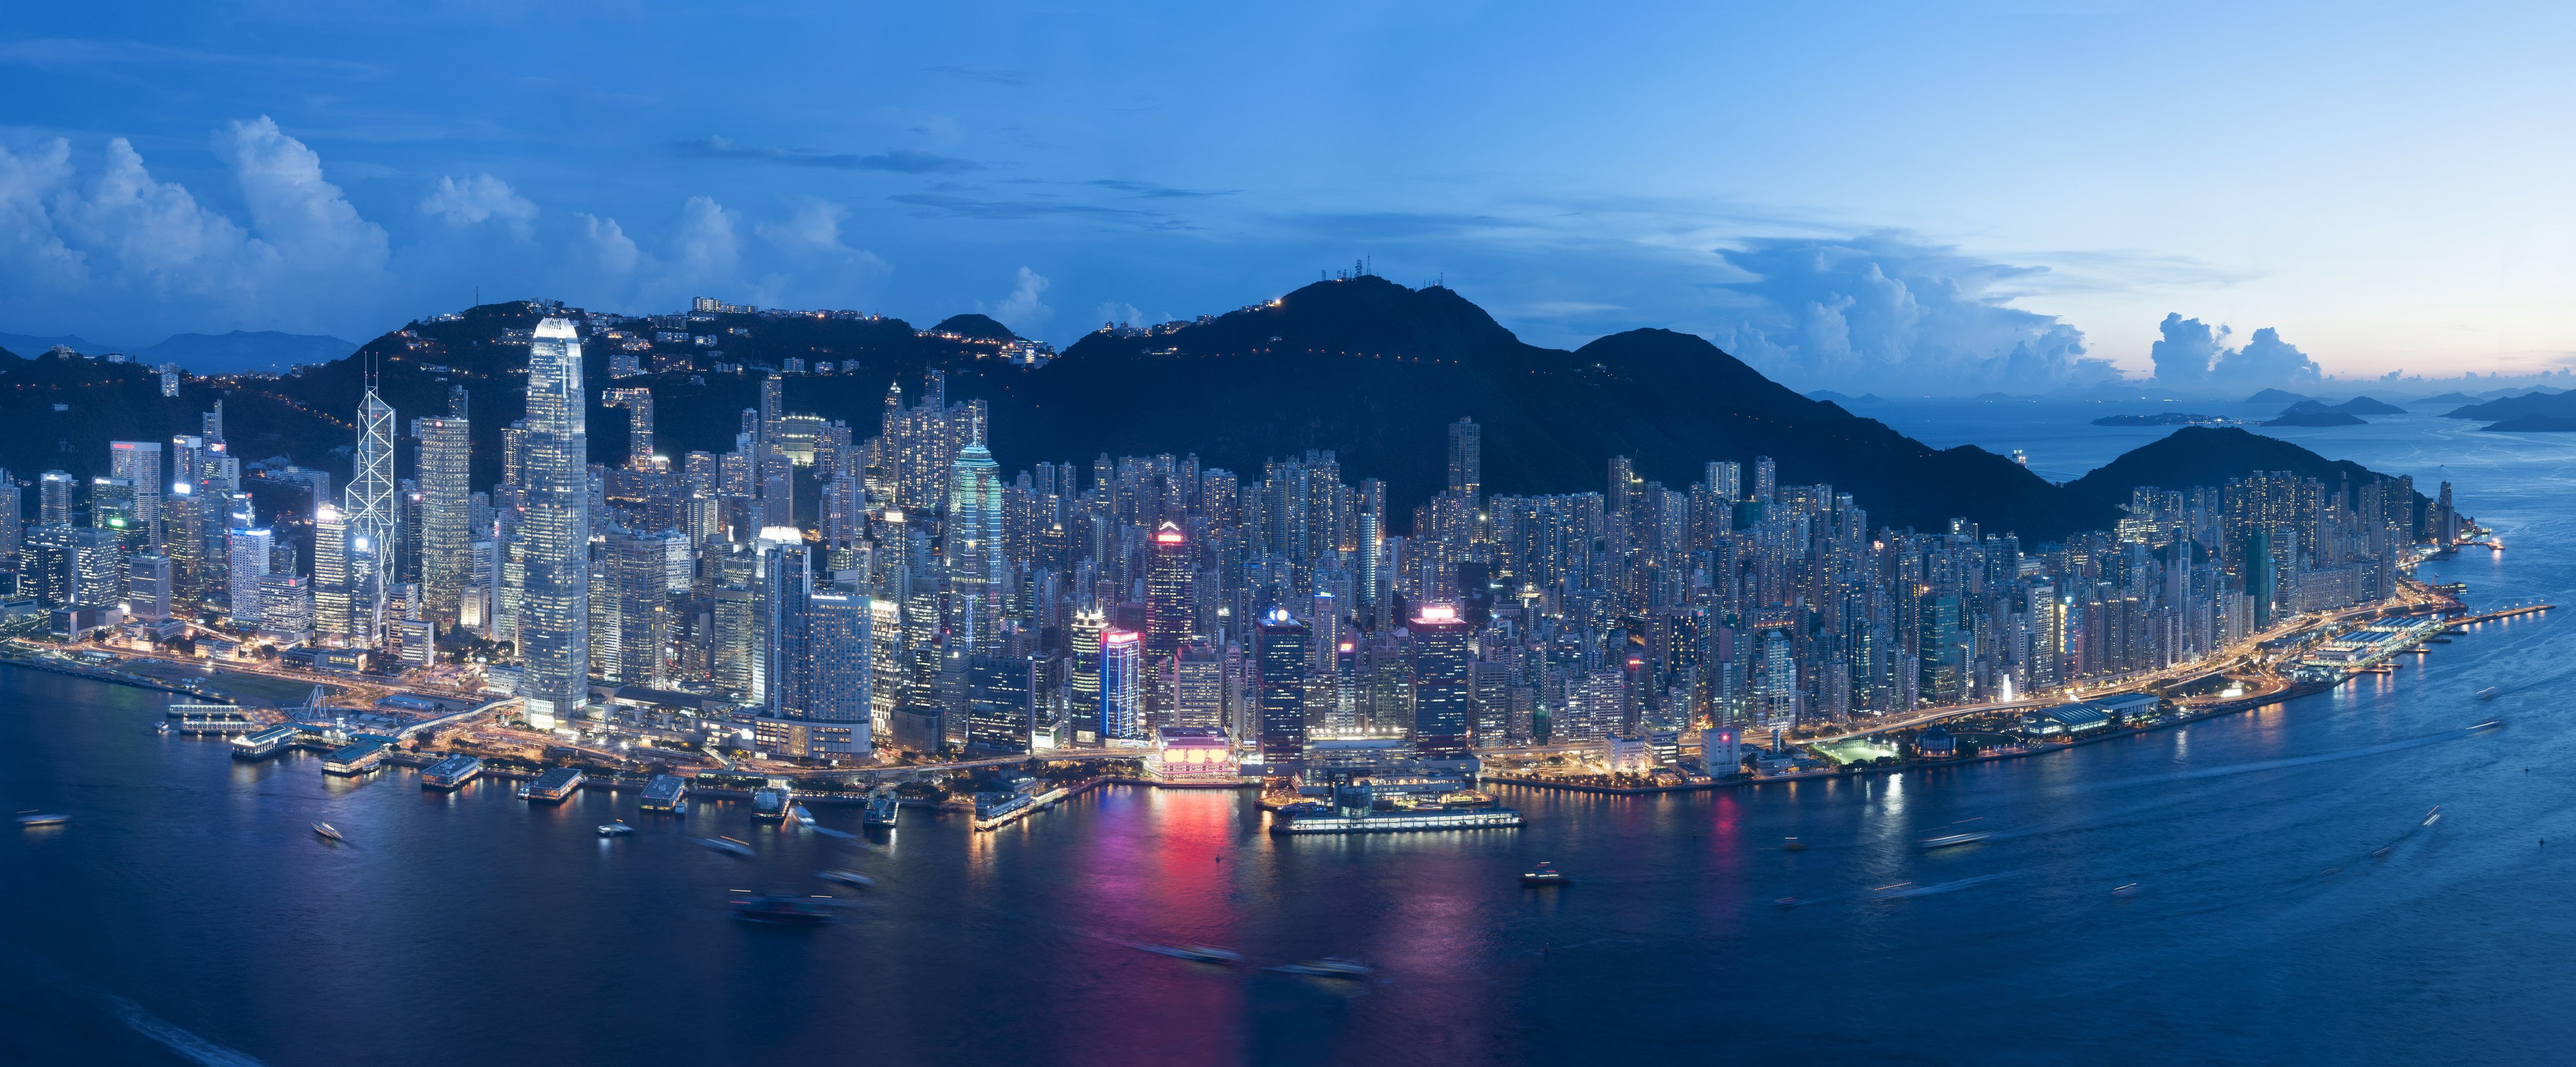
<point x="1022" y="311"/>
<point x="479" y="199"/>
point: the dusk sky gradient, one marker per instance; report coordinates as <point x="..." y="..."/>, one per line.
<point x="1953" y="196"/>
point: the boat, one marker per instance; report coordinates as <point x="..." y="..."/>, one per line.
<point x="42" y="819"/>
<point x="1196" y="953"/>
<point x="1788" y="902"/>
<point x="1793" y="845"/>
<point x="2127" y="889"/>
<point x="726" y="845"/>
<point x="2487" y="725"/>
<point x="769" y="804"/>
<point x="1948" y="840"/>
<point x="802" y="816"/>
<point x="1328" y="967"/>
<point x="2432" y="816"/>
<point x="1545" y="874"/>
<point x="2490" y="692"/>
<point x="328" y="832"/>
<point x="846" y="877"/>
<point x="615" y="828"/>
<point x="882" y="806"/>
<point x="781" y="910"/>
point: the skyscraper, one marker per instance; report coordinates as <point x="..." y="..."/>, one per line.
<point x="840" y="673"/>
<point x="1167" y="594"/>
<point x="1122" y="686"/>
<point x="1467" y="460"/>
<point x="1280" y="657"/>
<point x="446" y="513"/>
<point x="54" y="498"/>
<point x="1084" y="674"/>
<point x="248" y="552"/>
<point x="139" y="463"/>
<point x="1442" y="686"/>
<point x="554" y="608"/>
<point x="971" y="548"/>
<point x="375" y="520"/>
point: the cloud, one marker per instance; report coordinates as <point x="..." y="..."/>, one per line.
<point x="811" y="236"/>
<point x="156" y="234"/>
<point x="2266" y="360"/>
<point x="1890" y="310"/>
<point x="896" y="161"/>
<point x="1021" y="310"/>
<point x="305" y="218"/>
<point x="1116" y="314"/>
<point x="604" y="247"/>
<point x="1151" y="191"/>
<point x="2187" y="350"/>
<point x="31" y="253"/>
<point x="706" y="247"/>
<point x="479" y="199"/>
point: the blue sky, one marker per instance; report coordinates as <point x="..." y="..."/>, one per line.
<point x="1989" y="194"/>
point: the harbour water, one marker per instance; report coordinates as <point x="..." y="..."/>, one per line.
<point x="188" y="913"/>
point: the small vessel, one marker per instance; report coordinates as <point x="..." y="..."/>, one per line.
<point x="2487" y="725"/>
<point x="2127" y="889"/>
<point x="802" y="816"/>
<point x="1545" y="874"/>
<point x="768" y="804"/>
<point x="1196" y="953"/>
<point x="616" y="828"/>
<point x="882" y="806"/>
<point x="846" y="877"/>
<point x="1948" y="840"/>
<point x="2490" y="692"/>
<point x="1788" y="902"/>
<point x="327" y="831"/>
<point x="1328" y="967"/>
<point x="2432" y="816"/>
<point x="42" y="819"/>
<point x="726" y="845"/>
<point x="1793" y="845"/>
<point x="780" y="910"/>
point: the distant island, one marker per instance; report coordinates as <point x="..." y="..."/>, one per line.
<point x="2164" y="418"/>
<point x="2315" y="413"/>
<point x="2535" y="422"/>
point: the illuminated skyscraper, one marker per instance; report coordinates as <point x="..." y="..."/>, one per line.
<point x="971" y="548"/>
<point x="840" y="673"/>
<point x="1442" y="686"/>
<point x="375" y="519"/>
<point x="54" y="498"/>
<point x="1122" y="686"/>
<point x="1167" y="594"/>
<point x="446" y="514"/>
<point x="1084" y="674"/>
<point x="1280" y="657"/>
<point x="1467" y="459"/>
<point x="554" y="609"/>
<point x="139" y="463"/>
<point x="247" y="563"/>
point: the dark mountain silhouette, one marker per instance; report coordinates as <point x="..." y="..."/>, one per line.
<point x="2362" y="405"/>
<point x="2448" y="398"/>
<point x="976" y="326"/>
<point x="2275" y="396"/>
<point x="2535" y="422"/>
<point x="2210" y="455"/>
<point x="2314" y="413"/>
<point x="2556" y="405"/>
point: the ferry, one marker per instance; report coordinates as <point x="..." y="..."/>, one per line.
<point x="1545" y="874"/>
<point x="802" y="816"/>
<point x="769" y="804"/>
<point x="667" y="794"/>
<point x="1283" y="824"/>
<point x="1196" y="953"/>
<point x="2487" y="725"/>
<point x="2126" y="889"/>
<point x="883" y="806"/>
<point x="1948" y="840"/>
<point x="1328" y="967"/>
<point x="2490" y="692"/>
<point x="327" y="831"/>
<point x="726" y="845"/>
<point x="42" y="819"/>
<point x="849" y="878"/>
<point x="1793" y="845"/>
<point x="615" y="828"/>
<point x="782" y="911"/>
<point x="451" y="773"/>
<point x="552" y="787"/>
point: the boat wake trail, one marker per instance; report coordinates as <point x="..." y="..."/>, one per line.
<point x="161" y="1031"/>
<point x="2286" y="763"/>
<point x="1935" y="889"/>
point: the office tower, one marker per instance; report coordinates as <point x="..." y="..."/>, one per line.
<point x="1122" y="686"/>
<point x="638" y="403"/>
<point x="374" y="519"/>
<point x="785" y="583"/>
<point x="1084" y="674"/>
<point x="331" y="573"/>
<point x="886" y="664"/>
<point x="971" y="548"/>
<point x="286" y="607"/>
<point x="147" y="587"/>
<point x="635" y="617"/>
<point x="248" y="552"/>
<point x="139" y="463"/>
<point x="46" y="569"/>
<point x="1467" y="460"/>
<point x="1280" y="657"/>
<point x="114" y="505"/>
<point x="446" y="514"/>
<point x="1442" y="685"/>
<point x="840" y="671"/>
<point x="1168" y="601"/>
<point x="1001" y="703"/>
<point x="12" y="525"/>
<point x="54" y="498"/>
<point x="1198" y="687"/>
<point x="554" y="610"/>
